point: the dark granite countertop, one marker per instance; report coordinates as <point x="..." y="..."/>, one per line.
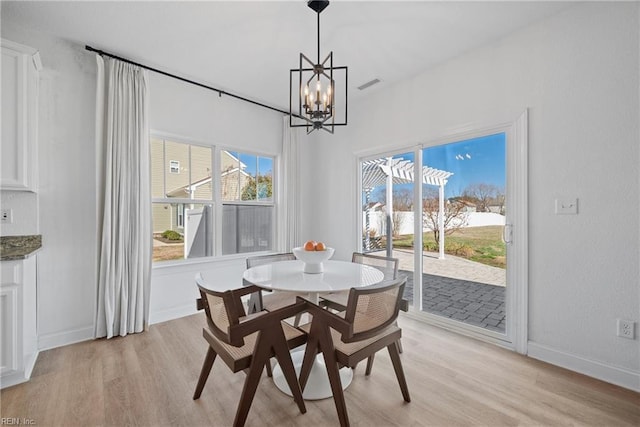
<point x="19" y="247"/>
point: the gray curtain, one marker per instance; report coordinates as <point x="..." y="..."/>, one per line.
<point x="122" y="135"/>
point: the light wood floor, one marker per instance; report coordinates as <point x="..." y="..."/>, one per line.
<point x="148" y="379"/>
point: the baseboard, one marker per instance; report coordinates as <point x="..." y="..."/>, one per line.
<point x="15" y="378"/>
<point x="49" y="341"/>
<point x="21" y="376"/>
<point x="172" y="313"/>
<point x="29" y="363"/>
<point x="619" y="376"/>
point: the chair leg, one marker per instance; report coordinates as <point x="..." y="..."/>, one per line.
<point x="296" y="321"/>
<point x="281" y="349"/>
<point x="204" y="373"/>
<point x="307" y="362"/>
<point x="269" y="368"/>
<point x="328" y="350"/>
<point x="369" y="364"/>
<point x="260" y="357"/>
<point x="397" y="366"/>
<point x="400" y="346"/>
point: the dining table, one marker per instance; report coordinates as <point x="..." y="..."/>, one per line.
<point x="289" y="276"/>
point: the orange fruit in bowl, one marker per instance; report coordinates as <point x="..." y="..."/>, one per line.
<point x="320" y="246"/>
<point x="310" y="245"/>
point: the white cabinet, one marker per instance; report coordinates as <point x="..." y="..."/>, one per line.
<point x="18" y="332"/>
<point x="20" y="66"/>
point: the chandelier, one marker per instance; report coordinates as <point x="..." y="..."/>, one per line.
<point x="312" y="93"/>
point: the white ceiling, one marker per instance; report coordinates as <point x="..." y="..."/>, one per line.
<point x="248" y="47"/>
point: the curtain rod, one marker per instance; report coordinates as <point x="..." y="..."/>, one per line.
<point x="164" y="73"/>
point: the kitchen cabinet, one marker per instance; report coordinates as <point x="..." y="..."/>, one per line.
<point x="18" y="331"/>
<point x="20" y="77"/>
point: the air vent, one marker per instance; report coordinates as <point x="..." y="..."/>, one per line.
<point x="368" y="84"/>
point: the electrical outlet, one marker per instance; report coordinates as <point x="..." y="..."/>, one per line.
<point x="626" y="328"/>
<point x="6" y="216"/>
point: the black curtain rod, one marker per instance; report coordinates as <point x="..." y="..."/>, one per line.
<point x="164" y="73"/>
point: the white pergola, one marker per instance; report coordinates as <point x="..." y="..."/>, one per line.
<point x="391" y="171"/>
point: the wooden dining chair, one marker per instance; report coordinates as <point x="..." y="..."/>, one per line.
<point x="389" y="267"/>
<point x="338" y="300"/>
<point x="247" y="342"/>
<point x="272" y="300"/>
<point x="368" y="326"/>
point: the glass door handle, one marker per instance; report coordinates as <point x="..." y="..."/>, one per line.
<point x="507" y="233"/>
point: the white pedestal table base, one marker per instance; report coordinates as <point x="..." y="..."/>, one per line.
<point x="318" y="386"/>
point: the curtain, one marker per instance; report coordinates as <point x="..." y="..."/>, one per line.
<point x="290" y="236"/>
<point x="122" y="138"/>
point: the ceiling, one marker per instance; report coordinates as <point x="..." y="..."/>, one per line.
<point x="248" y="47"/>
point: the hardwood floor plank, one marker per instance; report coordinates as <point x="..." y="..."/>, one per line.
<point x="148" y="379"/>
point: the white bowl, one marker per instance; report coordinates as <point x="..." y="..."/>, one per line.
<point x="313" y="259"/>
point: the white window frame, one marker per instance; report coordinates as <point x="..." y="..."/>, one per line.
<point x="216" y="200"/>
<point x="516" y="334"/>
<point x="174" y="166"/>
<point x="273" y="202"/>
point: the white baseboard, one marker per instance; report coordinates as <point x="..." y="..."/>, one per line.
<point x="22" y="376"/>
<point x="29" y="364"/>
<point x="615" y="375"/>
<point x="172" y="313"/>
<point x="59" y="339"/>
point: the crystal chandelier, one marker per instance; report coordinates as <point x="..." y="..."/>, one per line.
<point x="312" y="97"/>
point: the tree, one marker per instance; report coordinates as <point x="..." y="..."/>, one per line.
<point x="263" y="190"/>
<point x="454" y="215"/>
<point x="482" y="194"/>
<point x="499" y="201"/>
<point x="402" y="198"/>
<point x="398" y="222"/>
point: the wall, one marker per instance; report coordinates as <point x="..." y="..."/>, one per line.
<point x="66" y="188"/>
<point x="185" y="110"/>
<point x="25" y="213"/>
<point x="68" y="184"/>
<point x="577" y="73"/>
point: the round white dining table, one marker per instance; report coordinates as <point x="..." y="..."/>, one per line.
<point x="289" y="276"/>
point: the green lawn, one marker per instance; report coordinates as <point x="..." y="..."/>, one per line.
<point x="481" y="244"/>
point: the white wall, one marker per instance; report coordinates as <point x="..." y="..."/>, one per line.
<point x="24" y="206"/>
<point x="66" y="189"/>
<point x="67" y="184"/>
<point x="185" y="110"/>
<point x="577" y="72"/>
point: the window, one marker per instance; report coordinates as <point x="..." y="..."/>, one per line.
<point x="182" y="200"/>
<point x="190" y="218"/>
<point x="174" y="166"/>
<point x="246" y="187"/>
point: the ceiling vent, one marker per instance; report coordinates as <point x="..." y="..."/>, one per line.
<point x="368" y="84"/>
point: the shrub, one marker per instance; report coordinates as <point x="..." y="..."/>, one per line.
<point x="172" y="235"/>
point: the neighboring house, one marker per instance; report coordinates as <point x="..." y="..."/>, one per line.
<point x="175" y="162"/>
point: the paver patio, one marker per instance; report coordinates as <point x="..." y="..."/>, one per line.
<point x="457" y="288"/>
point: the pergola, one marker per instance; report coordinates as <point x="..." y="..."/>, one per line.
<point x="389" y="171"/>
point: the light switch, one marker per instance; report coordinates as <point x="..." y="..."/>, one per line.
<point x="566" y="206"/>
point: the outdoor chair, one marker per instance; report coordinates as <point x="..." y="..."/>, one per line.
<point x="368" y="325"/>
<point x="247" y="342"/>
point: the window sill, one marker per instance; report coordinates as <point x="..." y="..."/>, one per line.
<point x="172" y="266"/>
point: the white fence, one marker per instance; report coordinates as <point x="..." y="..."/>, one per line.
<point x="377" y="221"/>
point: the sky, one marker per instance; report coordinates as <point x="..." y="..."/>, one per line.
<point x="264" y="165"/>
<point x="472" y="161"/>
